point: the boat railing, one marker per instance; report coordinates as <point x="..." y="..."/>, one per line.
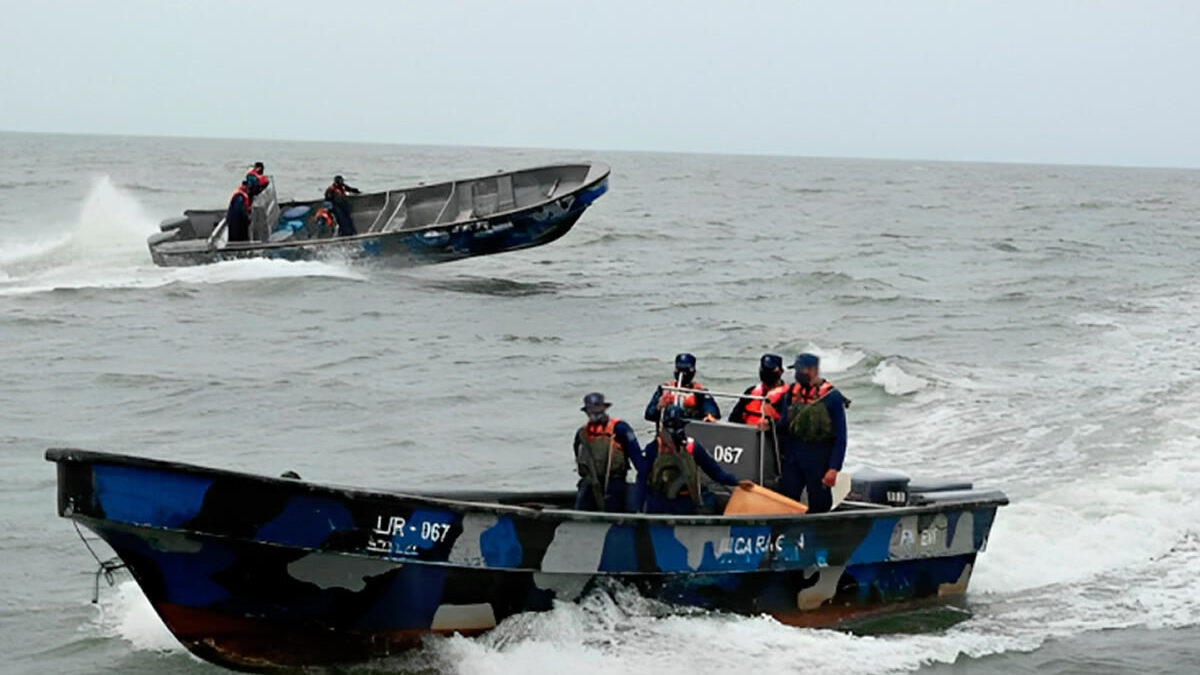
<point x="217" y="231"/>
<point x="449" y="200"/>
<point x="714" y="394"/>
<point x="397" y="209"/>
<point x="387" y="198"/>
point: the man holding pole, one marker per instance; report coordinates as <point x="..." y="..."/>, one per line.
<point x="696" y="406"/>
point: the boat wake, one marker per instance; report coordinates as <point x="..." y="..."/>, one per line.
<point x="106" y="249"/>
<point x="125" y="613"/>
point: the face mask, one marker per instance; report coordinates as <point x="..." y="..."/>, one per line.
<point x="685" y="376"/>
<point x="803" y="378"/>
<point x="678" y="436"/>
<point x="597" y="417"/>
<point x="768" y="376"/>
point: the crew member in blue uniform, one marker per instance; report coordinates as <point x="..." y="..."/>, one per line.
<point x="237" y="217"/>
<point x="605" y="448"/>
<point x="670" y="480"/>
<point x="755" y="411"/>
<point x="697" y="406"/>
<point x="339" y="194"/>
<point x="812" y="434"/>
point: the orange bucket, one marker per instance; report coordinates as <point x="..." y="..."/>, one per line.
<point x="759" y="501"/>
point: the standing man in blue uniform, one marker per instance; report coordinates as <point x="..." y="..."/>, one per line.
<point x="338" y="193"/>
<point x="697" y="406"/>
<point x="670" y="480"/>
<point x="812" y="433"/>
<point x="237" y="216"/>
<point x="605" y="448"/>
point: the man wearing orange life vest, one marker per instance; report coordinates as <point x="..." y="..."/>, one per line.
<point x="812" y="435"/>
<point x="605" y="448"/>
<point x="338" y="194"/>
<point x="257" y="177"/>
<point x="237" y="217"/>
<point x="697" y="406"/>
<point x="756" y="412"/>
<point x="324" y="220"/>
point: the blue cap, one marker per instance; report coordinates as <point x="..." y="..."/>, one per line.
<point x="685" y="361"/>
<point x="594" y="402"/>
<point x="807" y="360"/>
<point x="771" y="362"/>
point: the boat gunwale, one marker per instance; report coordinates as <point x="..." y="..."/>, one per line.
<point x="89" y="457"/>
<point x="606" y="170"/>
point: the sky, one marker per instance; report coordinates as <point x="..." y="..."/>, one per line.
<point x="1074" y="82"/>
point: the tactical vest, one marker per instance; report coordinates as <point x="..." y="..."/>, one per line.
<point x="808" y="415"/>
<point x="754" y="408"/>
<point x="675" y="473"/>
<point x="600" y="455"/>
<point x="692" y="404"/>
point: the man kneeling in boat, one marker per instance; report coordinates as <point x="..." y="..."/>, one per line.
<point x="605" y="447"/>
<point x="675" y="461"/>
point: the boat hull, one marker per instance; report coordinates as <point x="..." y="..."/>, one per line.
<point x="256" y="573"/>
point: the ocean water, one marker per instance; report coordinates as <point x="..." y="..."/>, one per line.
<point x="1029" y="327"/>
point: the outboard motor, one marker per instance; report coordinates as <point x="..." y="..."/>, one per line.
<point x="879" y="487"/>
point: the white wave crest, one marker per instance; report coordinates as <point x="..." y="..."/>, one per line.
<point x="895" y="380"/>
<point x="836" y="359"/>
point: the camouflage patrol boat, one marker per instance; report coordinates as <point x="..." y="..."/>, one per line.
<point x="258" y="573"/>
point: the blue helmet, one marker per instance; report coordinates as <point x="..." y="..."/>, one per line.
<point x="674" y="418"/>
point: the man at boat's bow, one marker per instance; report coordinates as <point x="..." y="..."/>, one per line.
<point x="605" y="448"/>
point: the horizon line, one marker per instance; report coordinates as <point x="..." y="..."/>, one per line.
<point x="547" y="148"/>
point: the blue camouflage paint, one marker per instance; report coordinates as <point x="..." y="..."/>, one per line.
<point x="409" y="600"/>
<point x="875" y="546"/>
<point x="669" y="554"/>
<point x="619" y="552"/>
<point x="499" y="544"/>
<point x="306" y="522"/>
<point x="187" y="576"/>
<point x="145" y="496"/>
<point x="983" y="524"/>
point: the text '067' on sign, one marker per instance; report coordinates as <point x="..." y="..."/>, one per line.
<point x="728" y="454"/>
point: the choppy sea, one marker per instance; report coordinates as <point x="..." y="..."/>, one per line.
<point x="1033" y="328"/>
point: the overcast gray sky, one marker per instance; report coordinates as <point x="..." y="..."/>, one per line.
<point x="1097" y="82"/>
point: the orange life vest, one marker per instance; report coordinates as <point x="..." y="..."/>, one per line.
<point x="690" y="403"/>
<point x="245" y="193"/>
<point x="754" y="408"/>
<point x="324" y="219"/>
<point x="810" y="395"/>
